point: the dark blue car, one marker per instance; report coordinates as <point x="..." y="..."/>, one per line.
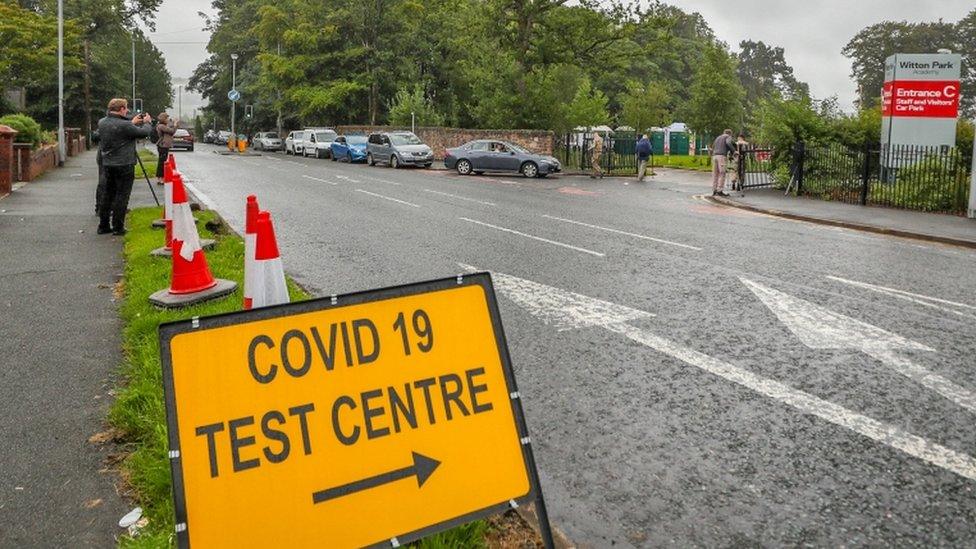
<point x="351" y="148"/>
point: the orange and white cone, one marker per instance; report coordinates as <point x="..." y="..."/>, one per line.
<point x="250" y="248"/>
<point x="167" y="249"/>
<point x="269" y="276"/>
<point x="191" y="281"/>
<point x="169" y="169"/>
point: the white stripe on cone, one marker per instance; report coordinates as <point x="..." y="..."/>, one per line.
<point x="185" y="230"/>
<point x="269" y="283"/>
<point x="250" y="265"/>
<point x="168" y="201"/>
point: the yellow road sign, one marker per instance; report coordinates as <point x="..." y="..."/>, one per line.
<point x="373" y="418"/>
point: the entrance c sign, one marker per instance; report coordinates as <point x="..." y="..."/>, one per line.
<point x="375" y="418"/>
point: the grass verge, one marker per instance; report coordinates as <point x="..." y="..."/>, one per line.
<point x="150" y="160"/>
<point x="139" y="412"/>
<point x="699" y="163"/>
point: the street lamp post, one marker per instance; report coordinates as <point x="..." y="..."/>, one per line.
<point x="62" y="149"/>
<point x="233" y="104"/>
<point x="133" y="67"/>
<point x="179" y="89"/>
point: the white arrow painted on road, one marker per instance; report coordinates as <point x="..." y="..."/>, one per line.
<point x="819" y="328"/>
<point x="567" y="310"/>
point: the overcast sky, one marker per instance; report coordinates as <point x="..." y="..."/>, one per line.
<point x="811" y="31"/>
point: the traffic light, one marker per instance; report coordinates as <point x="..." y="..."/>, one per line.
<point x="137" y="105"/>
<point x="248" y="111"/>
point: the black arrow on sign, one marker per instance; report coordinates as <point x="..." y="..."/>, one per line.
<point x="422" y="468"/>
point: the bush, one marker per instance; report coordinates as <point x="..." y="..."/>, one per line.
<point x="935" y="183"/>
<point x="28" y="131"/>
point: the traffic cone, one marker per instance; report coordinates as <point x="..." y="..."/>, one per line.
<point x="269" y="279"/>
<point x="167" y="249"/>
<point x="169" y="168"/>
<point x="250" y="245"/>
<point x="191" y="281"/>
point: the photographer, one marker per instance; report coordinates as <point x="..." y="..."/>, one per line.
<point x="117" y="145"/>
<point x="165" y="132"/>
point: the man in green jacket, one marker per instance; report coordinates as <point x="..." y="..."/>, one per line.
<point x="117" y="145"/>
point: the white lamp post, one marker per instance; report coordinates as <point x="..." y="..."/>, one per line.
<point x="233" y="104"/>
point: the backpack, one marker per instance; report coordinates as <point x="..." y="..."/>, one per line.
<point x="154" y="135"/>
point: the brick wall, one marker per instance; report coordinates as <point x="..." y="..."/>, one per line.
<point x="31" y="164"/>
<point x="439" y="139"/>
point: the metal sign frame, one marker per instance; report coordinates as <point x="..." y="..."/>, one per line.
<point x="170" y="330"/>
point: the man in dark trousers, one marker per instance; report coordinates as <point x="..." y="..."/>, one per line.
<point x="644" y="152"/>
<point x="117" y="145"/>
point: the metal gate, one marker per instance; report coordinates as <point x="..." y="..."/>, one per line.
<point x="752" y="168"/>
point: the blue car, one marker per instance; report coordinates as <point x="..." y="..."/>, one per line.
<point x="351" y="148"/>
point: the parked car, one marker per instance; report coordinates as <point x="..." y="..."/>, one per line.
<point x="209" y="136"/>
<point x="295" y="142"/>
<point x="351" y="148"/>
<point x="222" y="137"/>
<point x="318" y="142"/>
<point x="182" y="139"/>
<point x="266" y="141"/>
<point x="484" y="155"/>
<point x="398" y="149"/>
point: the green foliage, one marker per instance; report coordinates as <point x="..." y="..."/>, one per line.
<point x="784" y="122"/>
<point x="862" y="127"/>
<point x="30" y="46"/>
<point x="411" y="105"/>
<point x="28" y="131"/>
<point x="716" y="95"/>
<point x="589" y="107"/>
<point x="198" y="130"/>
<point x="765" y="74"/>
<point x="644" y="106"/>
<point x="935" y="183"/>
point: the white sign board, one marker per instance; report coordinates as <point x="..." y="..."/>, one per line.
<point x="920" y="99"/>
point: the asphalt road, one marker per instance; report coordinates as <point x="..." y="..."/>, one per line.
<point x="742" y="380"/>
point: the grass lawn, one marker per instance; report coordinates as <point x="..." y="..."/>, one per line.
<point x="699" y="163"/>
<point x="149" y="159"/>
<point x="139" y="412"/>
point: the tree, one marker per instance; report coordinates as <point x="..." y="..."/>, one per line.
<point x="30" y="46"/>
<point x="764" y="74"/>
<point x="966" y="45"/>
<point x="716" y="95"/>
<point x="411" y="105"/>
<point x="589" y="107"/>
<point x="644" y="105"/>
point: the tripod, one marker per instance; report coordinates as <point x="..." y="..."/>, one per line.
<point x="146" y="175"/>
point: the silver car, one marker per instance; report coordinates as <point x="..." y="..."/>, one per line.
<point x="398" y="149"/>
<point x="267" y="141"/>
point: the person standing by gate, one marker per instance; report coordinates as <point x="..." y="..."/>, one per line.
<point x="643" y="156"/>
<point x="597" y="149"/>
<point x="165" y="132"/>
<point x="721" y="148"/>
<point x="737" y="160"/>
<point x="117" y="143"/>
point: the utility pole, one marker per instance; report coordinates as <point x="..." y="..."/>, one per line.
<point x="133" y="66"/>
<point x="62" y="146"/>
<point x="972" y="185"/>
<point x="233" y="104"/>
<point x="180" y="91"/>
<point x="279" y="95"/>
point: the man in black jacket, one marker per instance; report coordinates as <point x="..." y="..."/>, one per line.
<point x="117" y="145"/>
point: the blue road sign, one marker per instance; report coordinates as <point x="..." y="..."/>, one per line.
<point x="233" y="95"/>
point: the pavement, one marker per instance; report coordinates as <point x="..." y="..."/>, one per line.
<point x="60" y="350"/>
<point x="947" y="229"/>
<point x="693" y="374"/>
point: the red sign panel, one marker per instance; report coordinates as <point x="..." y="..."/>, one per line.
<point x="921" y="98"/>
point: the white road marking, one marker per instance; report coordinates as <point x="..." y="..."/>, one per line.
<point x="539" y="238"/>
<point x="820" y="328"/>
<point x="567" y="310"/>
<point x="319" y="180"/>
<point x="201" y="196"/>
<point x="908" y="296"/>
<point x="460" y="197"/>
<point x="644" y="237"/>
<point x="561" y="309"/>
<point x="388" y="198"/>
<point x="346" y="178"/>
<point x="388" y="182"/>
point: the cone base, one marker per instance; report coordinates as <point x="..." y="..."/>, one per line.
<point x="166" y="300"/>
<point x="161" y="223"/>
<point x="205" y="243"/>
